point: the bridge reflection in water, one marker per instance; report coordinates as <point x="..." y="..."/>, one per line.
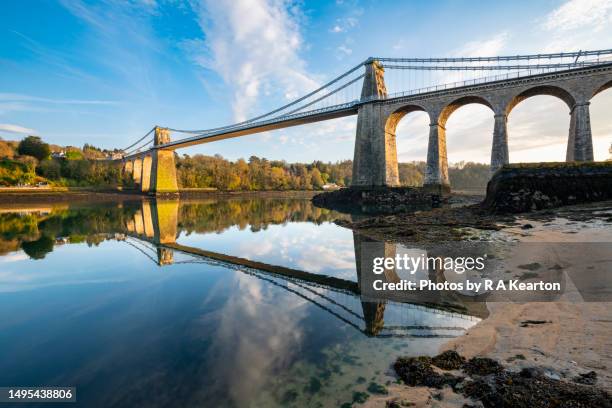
<point x="153" y="230"/>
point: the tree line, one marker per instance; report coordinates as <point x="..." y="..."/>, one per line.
<point x="32" y="160"/>
<point x="216" y="172"/>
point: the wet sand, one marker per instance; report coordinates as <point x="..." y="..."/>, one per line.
<point x="576" y="337"/>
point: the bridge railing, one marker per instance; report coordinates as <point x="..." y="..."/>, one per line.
<point x="512" y="72"/>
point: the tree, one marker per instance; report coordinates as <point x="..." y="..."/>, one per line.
<point x="50" y="169"/>
<point x="39" y="248"/>
<point x="35" y="147"/>
<point x="6" y="150"/>
<point x="317" y="180"/>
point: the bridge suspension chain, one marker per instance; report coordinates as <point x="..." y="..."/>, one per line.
<point x="500" y="58"/>
<point x="490" y="67"/>
<point x="139" y="140"/>
<point x="403" y="76"/>
<point x="282" y="108"/>
<point x="411" y="76"/>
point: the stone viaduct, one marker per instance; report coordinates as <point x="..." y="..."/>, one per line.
<point x="375" y="159"/>
<point x="375" y="156"/>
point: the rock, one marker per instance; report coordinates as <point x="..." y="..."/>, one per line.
<point x="418" y="371"/>
<point x="449" y="360"/>
<point x="526" y="226"/>
<point x="536" y="186"/>
<point x="389" y="200"/>
<point x="375" y="388"/>
<point x="527" y="323"/>
<point x="589" y="378"/>
<point x="492" y="386"/>
<point x="482" y="366"/>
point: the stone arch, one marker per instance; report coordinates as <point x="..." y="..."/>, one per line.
<point x="394" y="118"/>
<point x="549" y="90"/>
<point x="602" y="88"/>
<point x="458" y="103"/>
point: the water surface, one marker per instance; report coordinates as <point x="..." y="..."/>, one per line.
<point x="112" y="299"/>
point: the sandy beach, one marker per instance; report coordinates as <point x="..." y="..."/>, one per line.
<point x="569" y="337"/>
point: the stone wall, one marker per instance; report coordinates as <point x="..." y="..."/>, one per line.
<point x="535" y="186"/>
<point x="390" y="200"/>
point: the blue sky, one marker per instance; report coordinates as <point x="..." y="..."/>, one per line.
<point x="105" y="72"/>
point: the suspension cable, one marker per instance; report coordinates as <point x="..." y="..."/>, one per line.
<point x="488" y="67"/>
<point x="500" y="58"/>
<point x="327" y="85"/>
<point x="139" y="140"/>
<point x="326" y="95"/>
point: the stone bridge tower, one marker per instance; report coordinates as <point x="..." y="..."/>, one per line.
<point x="154" y="171"/>
<point x="375" y="158"/>
<point x="163" y="168"/>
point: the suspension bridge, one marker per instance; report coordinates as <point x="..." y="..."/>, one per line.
<point x="380" y="91"/>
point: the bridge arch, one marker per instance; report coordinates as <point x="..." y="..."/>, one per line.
<point x="408" y="148"/>
<point x="537" y="114"/>
<point x="394" y="118"/>
<point x="451" y="107"/>
<point x="602" y="88"/>
<point x="599" y="106"/>
<point x="550" y="90"/>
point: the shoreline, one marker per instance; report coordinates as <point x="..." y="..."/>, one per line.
<point x="570" y="336"/>
<point x="50" y="196"/>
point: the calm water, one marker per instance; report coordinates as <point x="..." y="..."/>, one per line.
<point x="116" y="300"/>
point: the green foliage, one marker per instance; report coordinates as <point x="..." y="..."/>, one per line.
<point x="412" y="174"/>
<point x="469" y="175"/>
<point x="50" y="168"/>
<point x="39" y="248"/>
<point x="74" y="155"/>
<point x="13" y="173"/>
<point x="81" y="173"/>
<point x="258" y="174"/>
<point x="35" y="147"/>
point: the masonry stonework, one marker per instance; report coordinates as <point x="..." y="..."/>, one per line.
<point x="379" y="115"/>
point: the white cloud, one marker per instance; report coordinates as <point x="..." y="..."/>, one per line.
<point x="253" y="45"/>
<point x="344" y="50"/>
<point x="573" y="14"/>
<point x="344" y="24"/>
<point x="481" y="48"/>
<point x="29" y="98"/>
<point x="7" y="127"/>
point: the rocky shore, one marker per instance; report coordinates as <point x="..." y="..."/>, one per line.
<point x="536" y="186"/>
<point x="385" y="200"/>
<point x="486" y="381"/>
<point x="524" y="354"/>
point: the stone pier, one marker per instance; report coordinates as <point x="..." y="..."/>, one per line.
<point x="375" y="157"/>
<point x="580" y="142"/>
<point x="163" y="173"/>
<point x="436" y="172"/>
<point x="145" y="178"/>
<point x="499" y="150"/>
<point x="137" y="174"/>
